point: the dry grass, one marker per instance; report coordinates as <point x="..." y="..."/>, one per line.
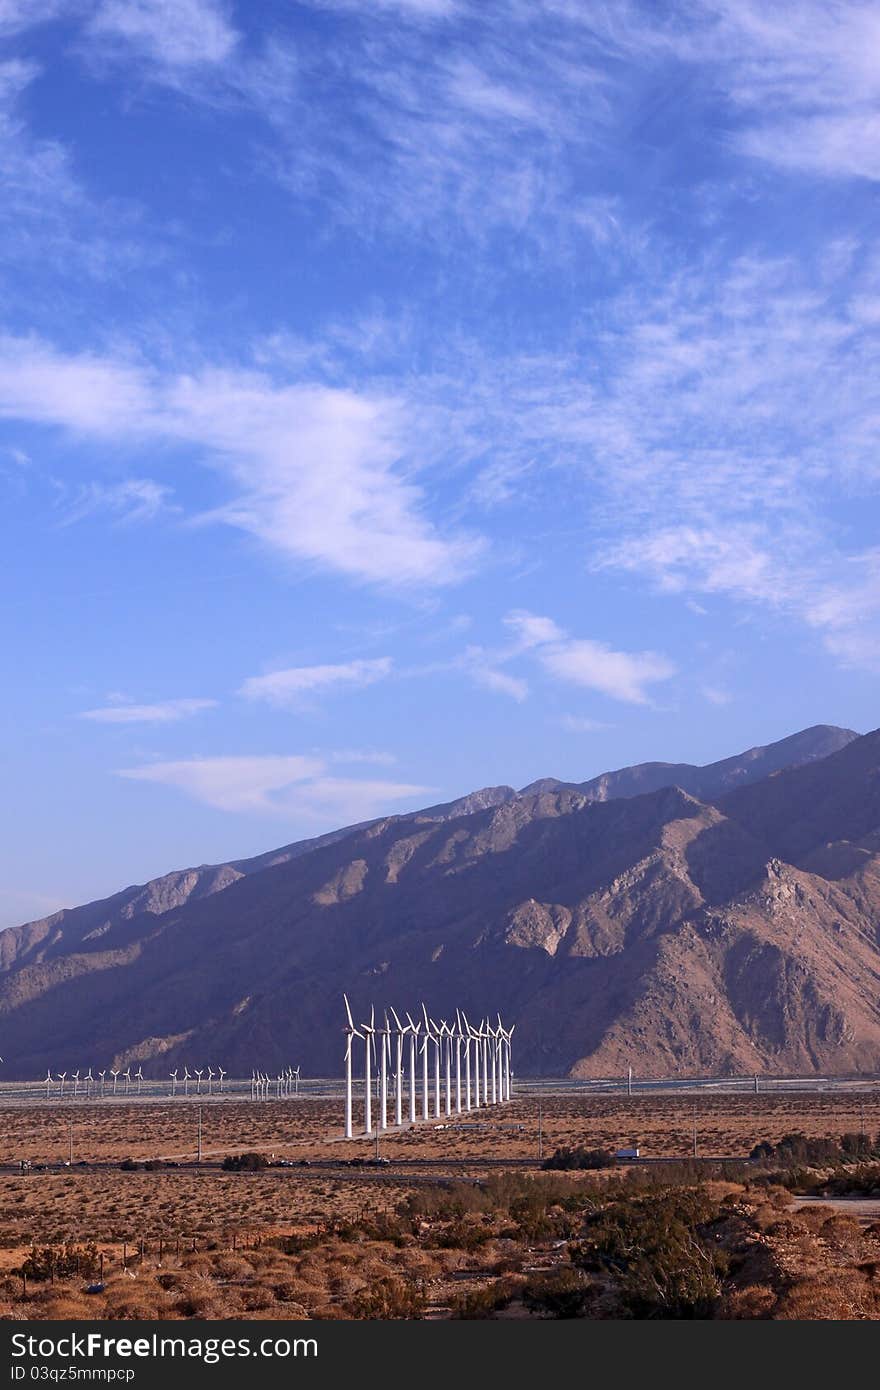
<point x="193" y="1242"/>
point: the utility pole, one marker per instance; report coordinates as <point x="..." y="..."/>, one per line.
<point x="70" y="1144"/>
<point x="199" y="1153"/>
<point x="540" y="1128"/>
<point x="695" y="1131"/>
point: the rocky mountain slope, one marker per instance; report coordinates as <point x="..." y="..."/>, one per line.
<point x="732" y="931"/>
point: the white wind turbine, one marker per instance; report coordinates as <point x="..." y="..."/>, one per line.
<point x="350" y="1034"/>
<point x="62" y="1077"/>
<point x="102" y="1076"/>
<point x="186" y="1080"/>
<point x="200" y="1071"/>
<point x="467" y="1061"/>
<point x="221" y="1072"/>
<point x="90" y="1081"/>
<point x="473" y="1037"/>
<point x="296" y="1077"/>
<point x="126" y="1076"/>
<point x="435" y="1038"/>
<point x="446" y="1037"/>
<point x="507" y="1051"/>
<point x="139" y="1078"/>
<point x="457" y="1062"/>
<point x="210" y="1081"/>
<point x="114" y="1072"/>
<point x="413" y="1030"/>
<point x="74" y="1076"/>
<point x="385" y="1034"/>
<point x="493" y="1059"/>
<point x="48" y="1081"/>
<point x="369" y="1044"/>
<point x="398" y="1070"/>
<point x="173" y="1076"/>
<point x="484" y="1049"/>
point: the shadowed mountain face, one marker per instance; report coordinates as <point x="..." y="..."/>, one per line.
<point x="730" y="931"/>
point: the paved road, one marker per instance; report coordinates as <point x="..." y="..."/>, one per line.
<point x="865" y="1209"/>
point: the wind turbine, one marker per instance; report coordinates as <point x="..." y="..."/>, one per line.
<point x="467" y="1061"/>
<point x="474" y="1037"/>
<point x="199" y="1074"/>
<point x="296" y="1076"/>
<point x="74" y="1076"/>
<point x="114" y="1072"/>
<point x="48" y="1081"/>
<point x="139" y="1077"/>
<point x="413" y="1029"/>
<point x="398" y="1071"/>
<point x="126" y="1076"/>
<point x="457" y="1062"/>
<point x="484" y="1048"/>
<point x="369" y="1043"/>
<point x="383" y="1071"/>
<point x="90" y="1081"/>
<point x="102" y="1077"/>
<point x="173" y="1076"/>
<point x="350" y="1034"/>
<point x="210" y="1081"/>
<point x="446" y="1036"/>
<point x="186" y="1080"/>
<point x="493" y="1059"/>
<point x="221" y="1072"/>
<point x="62" y="1077"/>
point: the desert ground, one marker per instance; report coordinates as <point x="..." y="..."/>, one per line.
<point x="318" y="1238"/>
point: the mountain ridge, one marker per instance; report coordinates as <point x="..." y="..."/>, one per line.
<point x="657" y="926"/>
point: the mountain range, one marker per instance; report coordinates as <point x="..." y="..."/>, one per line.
<point x="675" y="918"/>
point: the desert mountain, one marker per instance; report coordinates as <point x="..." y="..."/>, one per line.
<point x="730" y="931"/>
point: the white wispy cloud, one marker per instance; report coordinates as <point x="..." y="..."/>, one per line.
<point x="171" y="33"/>
<point x="316" y="471"/>
<point x="132" y="500"/>
<point x="22" y="14"/>
<point x="531" y="630"/>
<point x="162" y="712"/>
<point x="286" y="688"/>
<point x="580" y="724"/>
<point x="591" y="664"/>
<point x="502" y="682"/>
<point x="595" y="665"/>
<point x="288" y="785"/>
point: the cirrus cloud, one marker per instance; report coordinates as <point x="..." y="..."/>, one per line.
<point x="290" y="785"/>
<point x="285" y="688"/>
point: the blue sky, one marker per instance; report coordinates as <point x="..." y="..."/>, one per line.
<point x="404" y="396"/>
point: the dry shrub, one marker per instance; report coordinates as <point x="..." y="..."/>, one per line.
<point x="286" y="1290"/>
<point x="231" y="1267"/>
<point x="756" y="1301"/>
<point x="842" y="1296"/>
<point x="134" y="1299"/>
<point x="256" y="1296"/>
<point x="842" y="1230"/>
<point x="64" y="1304"/>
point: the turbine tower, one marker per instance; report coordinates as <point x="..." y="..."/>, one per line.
<point x="350" y="1034"/>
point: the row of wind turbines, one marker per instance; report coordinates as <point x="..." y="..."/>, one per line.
<point x="471" y="1066"/>
<point x="75" y="1085"/>
<point x="118" y="1081"/>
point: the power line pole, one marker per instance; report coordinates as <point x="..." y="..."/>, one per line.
<point x="540" y="1129"/>
<point x="199" y="1152"/>
<point x="70" y="1144"/>
<point x="695" y="1131"/>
